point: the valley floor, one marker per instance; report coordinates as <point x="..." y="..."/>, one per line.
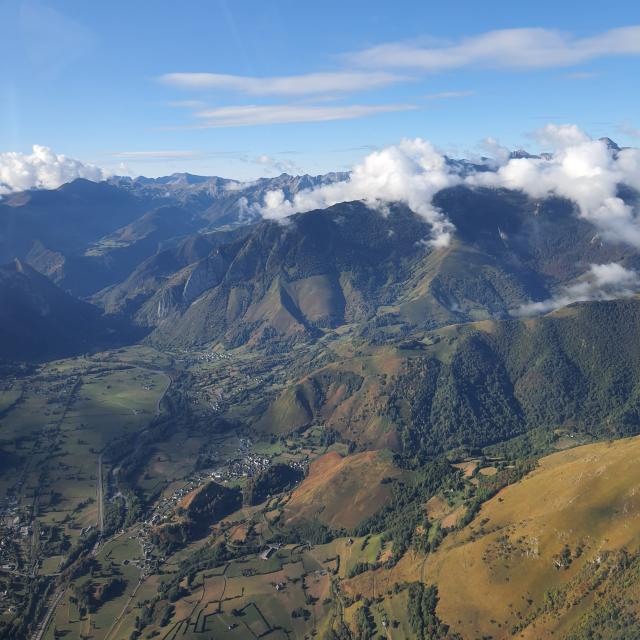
<point x="102" y="456"/>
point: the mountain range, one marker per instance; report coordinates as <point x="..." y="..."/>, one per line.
<point x="189" y="260"/>
<point x="327" y="419"/>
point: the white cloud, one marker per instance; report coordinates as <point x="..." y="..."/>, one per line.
<point x="601" y="282"/>
<point x="560" y="136"/>
<point x="497" y="152"/>
<point x="248" y="115"/>
<point x="300" y="85"/>
<point x="277" y="165"/>
<point x="445" y="95"/>
<point x="506" y="48"/>
<point x="186" y="104"/>
<point x="583" y="170"/>
<point x="580" y="169"/>
<point x="42" y="169"/>
<point x="411" y="172"/>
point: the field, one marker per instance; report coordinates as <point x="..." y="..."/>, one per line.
<point x="55" y="424"/>
<point x="114" y="559"/>
<point x="252" y="597"/>
<point x="536" y="558"/>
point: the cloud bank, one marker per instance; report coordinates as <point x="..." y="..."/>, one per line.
<point x="42" y="169"/>
<point x="601" y="282"/>
<point x="411" y="172"/>
<point x="588" y="172"/>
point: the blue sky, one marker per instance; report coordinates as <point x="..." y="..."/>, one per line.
<point x="246" y="88"/>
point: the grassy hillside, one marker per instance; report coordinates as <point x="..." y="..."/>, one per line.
<point x="472" y="385"/>
<point x="554" y="555"/>
<point x="349" y="263"/>
<point x="545" y="555"/>
<point x="341" y="492"/>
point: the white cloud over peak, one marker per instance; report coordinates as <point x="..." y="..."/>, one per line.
<point x="588" y="172"/>
<point x="43" y="169"/>
<point x="411" y="172"/>
<point x="505" y="48"/>
<point x="299" y="85"/>
<point x="583" y="170"/>
<point x="601" y="282"/>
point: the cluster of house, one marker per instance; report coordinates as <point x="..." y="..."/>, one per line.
<point x="189" y="357"/>
<point x="13" y="528"/>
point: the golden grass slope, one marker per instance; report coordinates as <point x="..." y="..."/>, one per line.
<point x="494" y="574"/>
<point x="341" y="492"/>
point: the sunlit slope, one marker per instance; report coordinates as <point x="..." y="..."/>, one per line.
<point x="475" y="384"/>
<point x="341" y="492"/>
<point x="544" y="554"/>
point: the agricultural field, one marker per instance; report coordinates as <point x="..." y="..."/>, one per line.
<point x="145" y="435"/>
<point x="56" y="423"/>
<point x="255" y="597"/>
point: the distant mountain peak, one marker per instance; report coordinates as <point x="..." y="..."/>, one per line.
<point x="521" y="153"/>
<point x="610" y="143"/>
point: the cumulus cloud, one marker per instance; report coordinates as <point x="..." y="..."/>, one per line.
<point x="411" y="172"/>
<point x="586" y="171"/>
<point x="554" y="136"/>
<point x="42" y="169"/>
<point x="504" y="48"/>
<point x="601" y="282"/>
<point x="498" y="154"/>
<point x="250" y="115"/>
<point x="300" y="85"/>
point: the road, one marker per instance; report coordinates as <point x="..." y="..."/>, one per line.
<point x="100" y="497"/>
<point x="44" y="623"/>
